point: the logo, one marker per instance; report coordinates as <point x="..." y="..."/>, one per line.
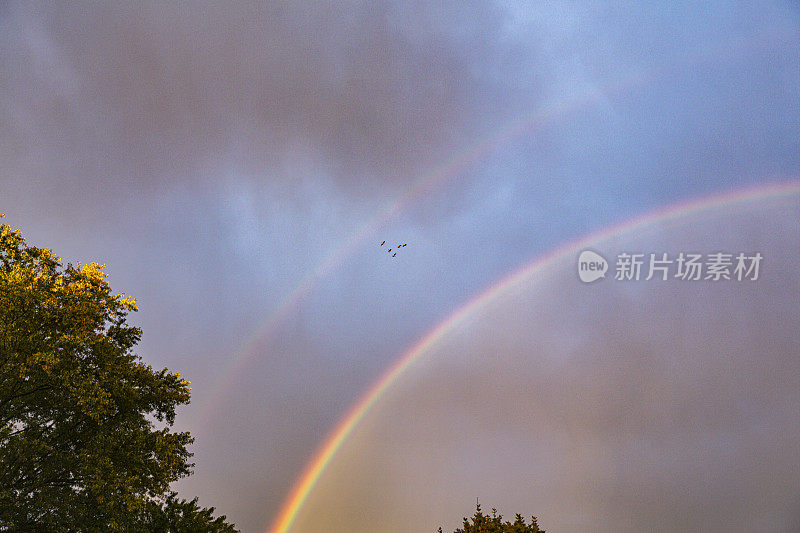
<point x="591" y="266"/>
<point x="684" y="266"/>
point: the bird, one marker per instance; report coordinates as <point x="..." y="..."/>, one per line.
<point x="394" y="254"/>
<point x="389" y="250"/>
<point x="384" y="242"/>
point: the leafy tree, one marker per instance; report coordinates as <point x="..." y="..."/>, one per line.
<point x="482" y="523"/>
<point x="85" y="426"/>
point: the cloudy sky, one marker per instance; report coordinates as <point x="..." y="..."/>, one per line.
<point x="236" y="166"/>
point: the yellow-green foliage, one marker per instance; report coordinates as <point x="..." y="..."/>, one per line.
<point x="79" y="445"/>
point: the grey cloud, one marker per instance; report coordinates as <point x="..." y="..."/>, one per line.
<point x="139" y="95"/>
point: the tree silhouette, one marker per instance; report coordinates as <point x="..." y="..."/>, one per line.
<point x="482" y="523"/>
<point x="85" y="439"/>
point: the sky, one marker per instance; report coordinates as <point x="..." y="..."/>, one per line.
<point x="236" y="167"/>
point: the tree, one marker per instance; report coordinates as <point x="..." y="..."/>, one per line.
<point x="482" y="523"/>
<point x="85" y="425"/>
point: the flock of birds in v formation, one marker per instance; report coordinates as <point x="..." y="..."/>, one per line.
<point x="395" y="248"/>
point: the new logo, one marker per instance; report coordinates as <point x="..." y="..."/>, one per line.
<point x="591" y="266"/>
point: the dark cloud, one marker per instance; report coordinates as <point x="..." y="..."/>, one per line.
<point x="138" y="96"/>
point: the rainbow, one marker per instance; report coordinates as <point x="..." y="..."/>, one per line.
<point x="538" y="270"/>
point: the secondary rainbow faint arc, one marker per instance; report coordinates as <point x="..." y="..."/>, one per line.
<point x="540" y="266"/>
<point x="461" y="160"/>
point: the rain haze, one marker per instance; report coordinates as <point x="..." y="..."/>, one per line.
<point x="237" y="167"/>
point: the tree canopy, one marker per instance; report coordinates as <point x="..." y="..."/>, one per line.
<point x="482" y="523"/>
<point x="86" y="440"/>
